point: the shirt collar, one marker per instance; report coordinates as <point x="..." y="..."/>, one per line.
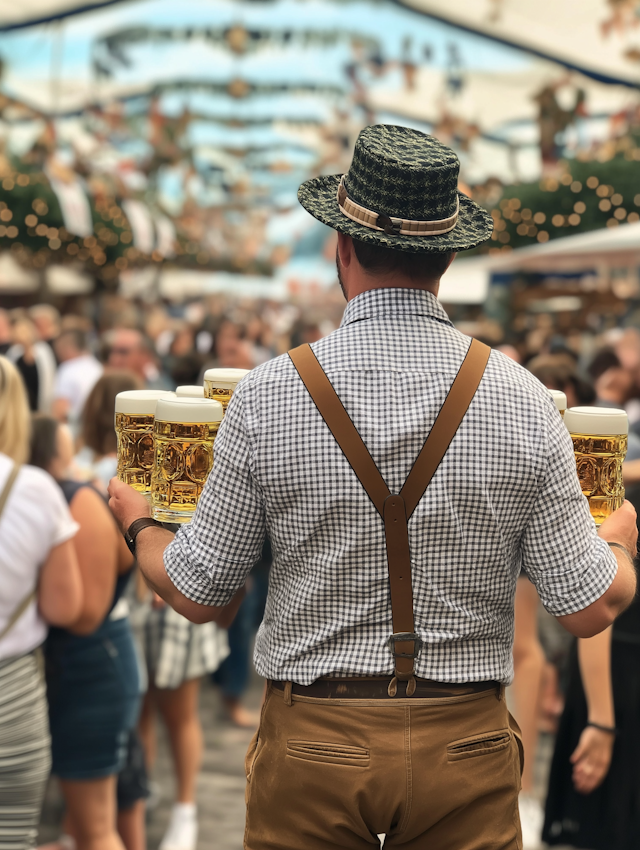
<point x="394" y="302"/>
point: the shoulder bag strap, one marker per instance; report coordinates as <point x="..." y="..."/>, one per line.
<point x="24" y="604"/>
<point x="395" y="510"/>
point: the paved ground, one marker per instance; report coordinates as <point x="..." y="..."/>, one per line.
<point x="221" y="783"/>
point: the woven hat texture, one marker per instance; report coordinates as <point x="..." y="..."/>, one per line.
<point x="401" y="173"/>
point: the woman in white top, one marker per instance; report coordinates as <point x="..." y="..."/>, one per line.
<point x="40" y="582"/>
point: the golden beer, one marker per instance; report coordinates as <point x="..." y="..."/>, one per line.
<point x="134" y="414"/>
<point x="559" y="399"/>
<point x="190" y="391"/>
<point x="183" y="436"/>
<point x="599" y="437"/>
<point x="219" y="384"/>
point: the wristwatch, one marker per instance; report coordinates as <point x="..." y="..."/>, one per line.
<point x="135" y="528"/>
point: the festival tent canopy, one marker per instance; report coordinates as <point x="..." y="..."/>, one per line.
<point x="616" y="247"/>
<point x="31" y="12"/>
<point x="609" y="248"/>
<point x="600" y="39"/>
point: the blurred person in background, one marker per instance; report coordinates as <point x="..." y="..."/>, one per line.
<point x="177" y="654"/>
<point x="132" y="351"/>
<point x="182" y="361"/>
<point x="560" y="372"/>
<point x="594" y="783"/>
<point x="555" y="371"/>
<point x="231" y="348"/>
<point x="98" y="455"/>
<point x="35" y="362"/>
<point x="40" y="581"/>
<point x="77" y="374"/>
<point x="47" y="321"/>
<point x="613" y="384"/>
<point x="6" y="335"/>
<point x="93" y="682"/>
<point x="232" y="677"/>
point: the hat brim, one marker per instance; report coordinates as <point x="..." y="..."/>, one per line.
<point x="474" y="226"/>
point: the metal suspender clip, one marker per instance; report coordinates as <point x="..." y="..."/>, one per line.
<point x="401" y="637"/>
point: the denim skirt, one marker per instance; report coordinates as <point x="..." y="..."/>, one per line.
<point x="93" y="690"/>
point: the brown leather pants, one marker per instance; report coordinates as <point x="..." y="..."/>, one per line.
<point x="435" y="774"/>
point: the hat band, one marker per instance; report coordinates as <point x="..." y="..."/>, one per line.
<point x="393" y="226"/>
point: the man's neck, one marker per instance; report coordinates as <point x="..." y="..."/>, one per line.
<point x="369" y="283"/>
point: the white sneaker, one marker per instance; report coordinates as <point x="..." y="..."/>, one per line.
<point x="532" y="821"/>
<point x="182" y="832"/>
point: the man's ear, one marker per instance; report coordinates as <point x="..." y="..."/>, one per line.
<point x="345" y="249"/>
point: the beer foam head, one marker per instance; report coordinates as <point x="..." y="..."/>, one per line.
<point x="188" y="410"/>
<point x="139" y="402"/>
<point x="559" y="399"/>
<point x="225" y="379"/>
<point x="596" y="421"/>
<point x="188" y="391"/>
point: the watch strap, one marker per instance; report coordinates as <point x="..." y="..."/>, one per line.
<point x="136" y="527"/>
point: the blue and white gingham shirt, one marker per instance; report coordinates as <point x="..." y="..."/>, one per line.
<point x="506" y="497"/>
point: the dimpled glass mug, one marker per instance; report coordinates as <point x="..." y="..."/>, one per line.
<point x="219" y="384"/>
<point x="134" y="416"/>
<point x="190" y="391"/>
<point x="599" y="437"/>
<point x="183" y="436"/>
<point x="559" y="399"/>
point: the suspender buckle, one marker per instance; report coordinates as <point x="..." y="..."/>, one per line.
<point x="402" y="637"/>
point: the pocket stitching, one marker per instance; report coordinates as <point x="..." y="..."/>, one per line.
<point x="501" y="740"/>
<point x="328" y="753"/>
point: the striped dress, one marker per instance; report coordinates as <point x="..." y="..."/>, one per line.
<point x="25" y="757"/>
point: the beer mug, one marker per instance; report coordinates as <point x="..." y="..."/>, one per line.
<point x="134" y="414"/>
<point x="183" y="436"/>
<point x="219" y="384"/>
<point x="559" y="399"/>
<point x="188" y="391"/>
<point x="599" y="437"/>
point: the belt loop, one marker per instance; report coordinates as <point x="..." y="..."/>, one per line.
<point x="288" y="686"/>
<point x="500" y="693"/>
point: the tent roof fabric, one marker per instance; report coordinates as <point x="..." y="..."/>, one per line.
<point x="592" y="36"/>
<point x="31" y="12"/>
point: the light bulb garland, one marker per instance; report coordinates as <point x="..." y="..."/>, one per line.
<point x="588" y="196"/>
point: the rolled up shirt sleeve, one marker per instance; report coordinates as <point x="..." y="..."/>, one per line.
<point x="210" y="558"/>
<point x="562" y="554"/>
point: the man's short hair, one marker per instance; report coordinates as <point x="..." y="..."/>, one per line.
<point x="378" y="260"/>
<point x="76" y="338"/>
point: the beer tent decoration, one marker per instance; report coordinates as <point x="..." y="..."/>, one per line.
<point x="600" y="38"/>
<point x="30" y="13"/>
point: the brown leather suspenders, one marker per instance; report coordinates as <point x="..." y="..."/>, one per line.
<point x="396" y="510"/>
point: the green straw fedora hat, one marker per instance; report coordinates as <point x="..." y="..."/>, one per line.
<point x="401" y="191"/>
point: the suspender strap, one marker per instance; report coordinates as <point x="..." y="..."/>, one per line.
<point x="446" y="425"/>
<point x="396" y="510"/>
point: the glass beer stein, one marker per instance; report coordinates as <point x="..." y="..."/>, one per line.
<point x="134" y="413"/>
<point x="559" y="399"/>
<point x="183" y="436"/>
<point x="599" y="437"/>
<point x="219" y="384"/>
<point x="189" y="391"/>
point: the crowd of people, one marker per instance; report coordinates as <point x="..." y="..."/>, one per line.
<point x="84" y="642"/>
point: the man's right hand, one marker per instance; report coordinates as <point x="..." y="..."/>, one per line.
<point x="621" y="527"/>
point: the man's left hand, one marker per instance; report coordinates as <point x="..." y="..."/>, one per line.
<point x="126" y="503"/>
